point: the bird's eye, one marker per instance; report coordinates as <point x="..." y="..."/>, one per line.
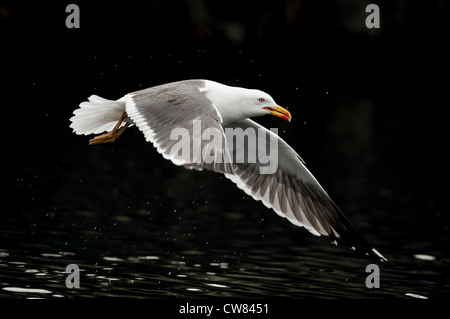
<point x="261" y="100"/>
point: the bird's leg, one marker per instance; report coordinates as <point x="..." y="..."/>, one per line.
<point x="112" y="135"/>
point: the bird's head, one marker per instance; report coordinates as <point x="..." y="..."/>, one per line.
<point x="260" y="103"/>
<point x="235" y="103"/>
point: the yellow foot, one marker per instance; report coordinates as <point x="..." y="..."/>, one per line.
<point x="108" y="137"/>
<point x="104" y="138"/>
<point x="113" y="135"/>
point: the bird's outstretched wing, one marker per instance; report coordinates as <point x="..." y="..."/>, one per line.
<point x="176" y="119"/>
<point x="291" y="190"/>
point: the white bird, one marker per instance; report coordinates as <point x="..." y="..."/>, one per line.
<point x="290" y="189"/>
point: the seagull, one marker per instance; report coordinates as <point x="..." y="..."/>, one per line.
<point x="185" y="109"/>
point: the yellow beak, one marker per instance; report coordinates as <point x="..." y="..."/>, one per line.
<point x="280" y="112"/>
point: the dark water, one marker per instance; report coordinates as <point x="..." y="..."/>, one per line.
<point x="365" y="120"/>
<point x="158" y="253"/>
<point x="161" y="253"/>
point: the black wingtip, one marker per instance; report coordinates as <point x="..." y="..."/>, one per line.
<point x="351" y="238"/>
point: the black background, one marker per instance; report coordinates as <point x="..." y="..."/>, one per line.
<point x="306" y="54"/>
<point x="303" y="53"/>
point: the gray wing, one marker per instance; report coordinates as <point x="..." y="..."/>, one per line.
<point x="173" y="116"/>
<point x="290" y="189"/>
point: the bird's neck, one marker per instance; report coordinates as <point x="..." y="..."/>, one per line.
<point x="226" y="99"/>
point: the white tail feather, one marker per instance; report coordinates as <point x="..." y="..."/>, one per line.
<point x="97" y="116"/>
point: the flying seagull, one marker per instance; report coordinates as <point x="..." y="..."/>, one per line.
<point x="188" y="109"/>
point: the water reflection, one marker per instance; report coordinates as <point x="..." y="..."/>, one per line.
<point x="299" y="272"/>
<point x="416" y="296"/>
<point x="27" y="290"/>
